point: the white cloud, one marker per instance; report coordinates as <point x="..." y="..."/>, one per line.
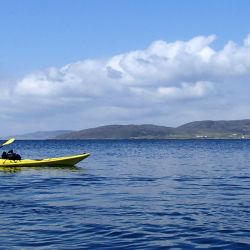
<point x="187" y="75"/>
<point x="184" y="91"/>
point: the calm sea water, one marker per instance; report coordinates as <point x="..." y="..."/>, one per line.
<point x="184" y="194"/>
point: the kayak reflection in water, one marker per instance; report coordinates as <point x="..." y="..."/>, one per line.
<point x="11" y="156"/>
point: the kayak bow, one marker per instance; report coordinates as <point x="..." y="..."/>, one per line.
<point x="60" y="161"/>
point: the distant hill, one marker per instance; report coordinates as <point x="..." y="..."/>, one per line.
<point x="216" y="128"/>
<point x="235" y="129"/>
<point x="40" y="135"/>
<point x="119" y="132"/>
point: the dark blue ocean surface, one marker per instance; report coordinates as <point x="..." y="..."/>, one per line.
<point x="173" y="194"/>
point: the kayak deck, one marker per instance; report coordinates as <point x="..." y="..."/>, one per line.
<point x="59" y="161"/>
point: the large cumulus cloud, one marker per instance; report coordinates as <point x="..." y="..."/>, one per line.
<point x="167" y="83"/>
<point x="163" y="68"/>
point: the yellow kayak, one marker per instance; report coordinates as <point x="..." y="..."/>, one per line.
<point x="60" y="161"/>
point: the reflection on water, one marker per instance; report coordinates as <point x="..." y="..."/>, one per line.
<point x="44" y="168"/>
<point x="10" y="169"/>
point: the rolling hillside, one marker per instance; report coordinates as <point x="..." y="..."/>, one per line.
<point x="235" y="129"/>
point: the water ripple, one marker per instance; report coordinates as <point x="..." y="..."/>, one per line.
<point x="129" y="195"/>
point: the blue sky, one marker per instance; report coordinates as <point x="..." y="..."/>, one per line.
<point x="39" y="35"/>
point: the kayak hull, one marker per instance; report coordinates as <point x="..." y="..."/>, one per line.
<point x="50" y="162"/>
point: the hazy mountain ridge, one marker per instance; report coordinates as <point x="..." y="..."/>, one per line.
<point x="39" y="135"/>
<point x="234" y="129"/>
